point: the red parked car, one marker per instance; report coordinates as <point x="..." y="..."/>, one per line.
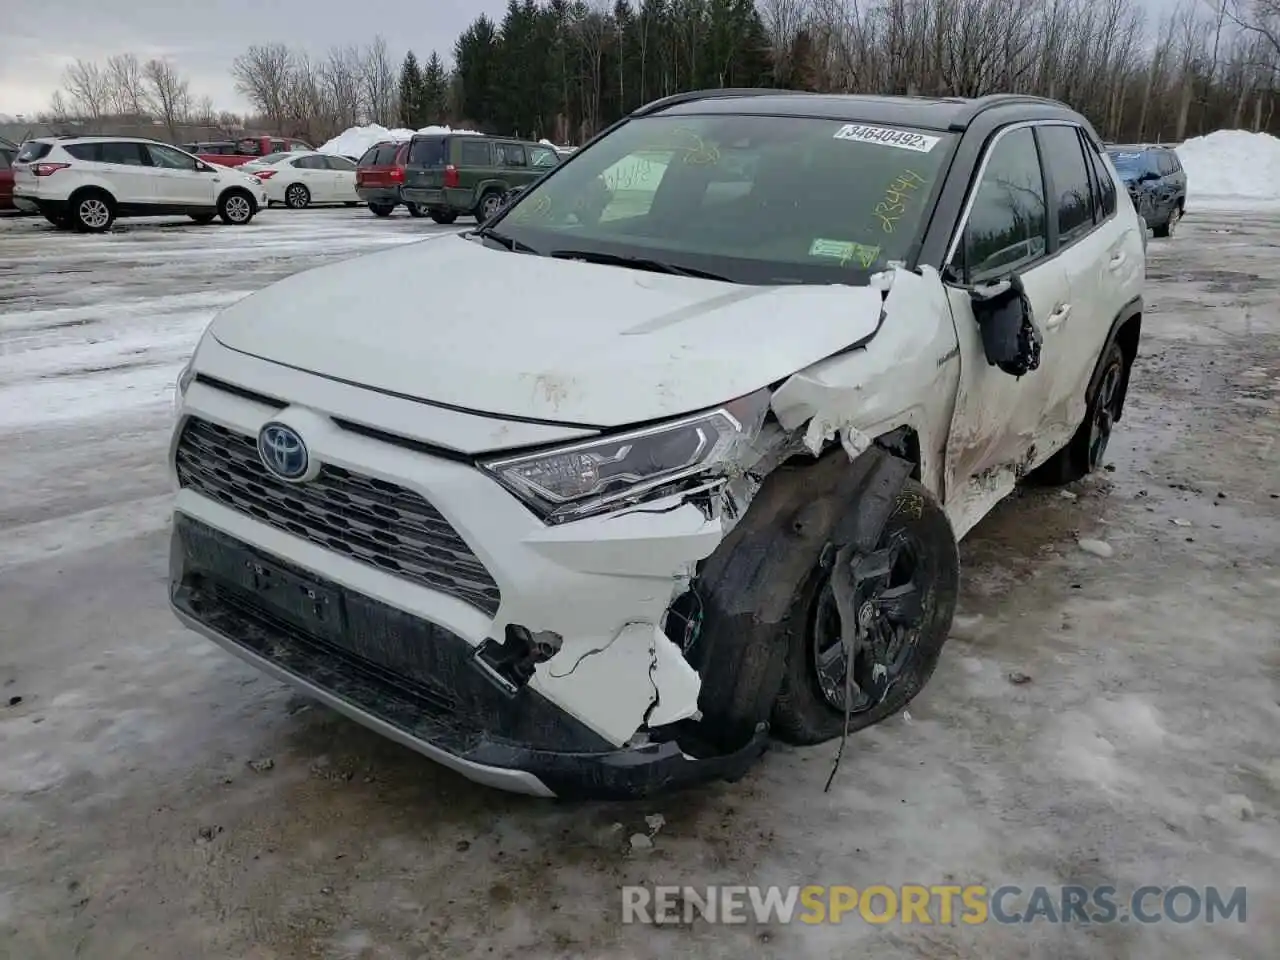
<point x="232" y="153"/>
<point x="8" y="150"/>
<point x="379" y="176"/>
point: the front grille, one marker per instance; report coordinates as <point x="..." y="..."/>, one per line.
<point x="370" y="520"/>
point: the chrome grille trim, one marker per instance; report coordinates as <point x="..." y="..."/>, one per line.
<point x="378" y="523"/>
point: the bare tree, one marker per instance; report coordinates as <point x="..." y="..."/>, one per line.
<point x="341" y="81"/>
<point x="261" y="75"/>
<point x="127" y="87"/>
<point x="379" y="79"/>
<point x="88" y="90"/>
<point x="59" y="112"/>
<point x="168" y="94"/>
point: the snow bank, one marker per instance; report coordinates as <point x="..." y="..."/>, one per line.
<point x="354" y="141"/>
<point x="1232" y="168"/>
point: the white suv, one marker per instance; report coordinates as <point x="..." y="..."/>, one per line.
<point x="674" y="452"/>
<point x="86" y="182"/>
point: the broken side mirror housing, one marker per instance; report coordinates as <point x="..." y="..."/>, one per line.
<point x="1010" y="338"/>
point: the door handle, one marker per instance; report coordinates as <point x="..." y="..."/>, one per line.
<point x="1058" y="317"/>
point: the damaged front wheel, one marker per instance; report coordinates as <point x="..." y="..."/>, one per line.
<point x="903" y="596"/>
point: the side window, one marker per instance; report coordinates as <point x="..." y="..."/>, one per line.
<point x="249" y="147"/>
<point x="278" y="146"/>
<point x="1007" y="226"/>
<point x="128" y="154"/>
<point x="297" y="146"/>
<point x="1073" y="200"/>
<point x="474" y="153"/>
<point x="542" y="157"/>
<point x="168" y="158"/>
<point x="338" y="163"/>
<point x="33" y="150"/>
<point x="310" y="163"/>
<point x="1104" y="199"/>
<point x="510" y="155"/>
<point x="85" y="151"/>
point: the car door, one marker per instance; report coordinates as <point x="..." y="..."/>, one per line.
<point x="513" y="158"/>
<point x="1005" y="232"/>
<point x="1095" y="252"/>
<point x="313" y="173"/>
<point x="344" y="179"/>
<point x="182" y="180"/>
<point x="128" y="167"/>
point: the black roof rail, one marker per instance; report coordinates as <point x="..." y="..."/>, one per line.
<point x="691" y="96"/>
<point x="992" y="101"/>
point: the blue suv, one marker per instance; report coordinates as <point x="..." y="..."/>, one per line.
<point x="1156" y="182"/>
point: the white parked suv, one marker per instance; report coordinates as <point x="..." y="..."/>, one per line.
<point x="87" y="182"/>
<point x="671" y="455"/>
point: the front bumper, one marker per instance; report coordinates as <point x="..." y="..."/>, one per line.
<point x="350" y="655"/>
<point x="602" y="585"/>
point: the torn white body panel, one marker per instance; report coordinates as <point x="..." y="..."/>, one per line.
<point x="906" y="376"/>
<point x="638" y="677"/>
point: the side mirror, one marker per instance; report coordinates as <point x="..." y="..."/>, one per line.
<point x="1010" y="338"/>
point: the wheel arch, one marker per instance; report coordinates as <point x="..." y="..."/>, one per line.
<point x="89" y="188"/>
<point x="238" y="188"/>
<point x="1126" y="332"/>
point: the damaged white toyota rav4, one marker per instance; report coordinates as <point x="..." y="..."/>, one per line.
<point x="672" y="454"/>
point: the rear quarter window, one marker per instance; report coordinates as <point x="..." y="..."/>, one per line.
<point x="84" y="151"/>
<point x="33" y="151"/>
<point x="474" y="153"/>
<point x="428" y="152"/>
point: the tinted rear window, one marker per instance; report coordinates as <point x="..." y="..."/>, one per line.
<point x="368" y="157"/>
<point x="33" y="151"/>
<point x="427" y="152"/>
<point x="6" y="158"/>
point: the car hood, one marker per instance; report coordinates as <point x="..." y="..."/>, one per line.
<point x="454" y="322"/>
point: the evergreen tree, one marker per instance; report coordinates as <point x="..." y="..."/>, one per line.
<point x="410" y="106"/>
<point x="433" y="93"/>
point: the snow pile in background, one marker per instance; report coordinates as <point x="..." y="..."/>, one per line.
<point x="1232" y="168"/>
<point x="354" y="141"/>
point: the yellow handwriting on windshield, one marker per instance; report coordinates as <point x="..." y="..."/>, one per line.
<point x="893" y="205"/>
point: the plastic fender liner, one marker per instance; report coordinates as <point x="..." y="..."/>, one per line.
<point x="749" y="583"/>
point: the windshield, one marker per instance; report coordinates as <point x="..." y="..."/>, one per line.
<point x="753" y="199"/>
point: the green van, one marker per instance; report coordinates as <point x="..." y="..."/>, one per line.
<point x="459" y="174"/>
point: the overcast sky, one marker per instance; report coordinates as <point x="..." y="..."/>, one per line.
<point x="38" y="38"/>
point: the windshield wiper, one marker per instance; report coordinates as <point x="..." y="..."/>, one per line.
<point x="636" y="263"/>
<point x="509" y="242"/>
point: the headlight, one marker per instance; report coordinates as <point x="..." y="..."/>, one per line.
<point x="185" y="376"/>
<point x="600" y="475"/>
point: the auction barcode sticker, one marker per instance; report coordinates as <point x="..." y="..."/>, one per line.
<point x="902" y="139"/>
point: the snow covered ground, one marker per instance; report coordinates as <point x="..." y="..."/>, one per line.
<point x="1093" y="720"/>
<point x="1232" y="169"/>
